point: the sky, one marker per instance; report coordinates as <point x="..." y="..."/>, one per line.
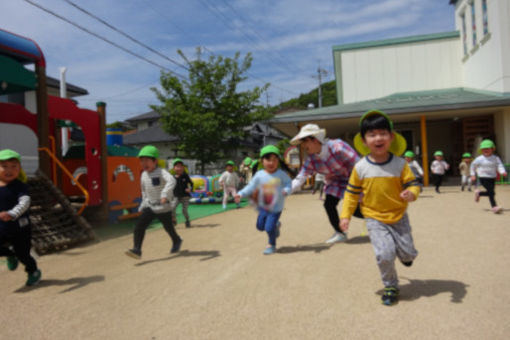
<point x="288" y="39"/>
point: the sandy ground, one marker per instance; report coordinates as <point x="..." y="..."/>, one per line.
<point x="222" y="287"/>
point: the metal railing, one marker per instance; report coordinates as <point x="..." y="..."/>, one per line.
<point x="64" y="169"/>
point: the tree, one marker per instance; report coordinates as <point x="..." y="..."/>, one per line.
<point x="206" y="111"/>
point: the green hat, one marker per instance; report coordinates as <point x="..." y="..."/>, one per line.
<point x="397" y="147"/>
<point x="269" y="149"/>
<point x="177" y="160"/>
<point x="247" y="161"/>
<point x="466" y="155"/>
<point x="487" y="144"/>
<point x="9" y="154"/>
<point x="149" y="151"/>
<point x="438" y="153"/>
<point x="409" y="154"/>
<point x="253" y="163"/>
<point x="231" y="163"/>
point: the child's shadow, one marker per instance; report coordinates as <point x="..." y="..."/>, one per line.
<point x="316" y="248"/>
<point x="210" y="225"/>
<point x="358" y="240"/>
<point x="427" y="288"/>
<point x="75" y="283"/>
<point x="208" y="255"/>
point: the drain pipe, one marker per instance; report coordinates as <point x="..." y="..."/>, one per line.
<point x="63" y="94"/>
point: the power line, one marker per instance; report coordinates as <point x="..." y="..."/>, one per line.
<point x="126" y="35"/>
<point x="103" y="38"/>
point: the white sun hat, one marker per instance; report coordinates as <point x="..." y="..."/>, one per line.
<point x="309" y="130"/>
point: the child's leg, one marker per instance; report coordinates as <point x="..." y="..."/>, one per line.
<point x="488" y="184"/>
<point x="225" y="196"/>
<point x="403" y="238"/>
<point x="385" y="251"/>
<point x="185" y="203"/>
<point x="271" y="227"/>
<point x="330" y="205"/>
<point x="21" y="244"/>
<point x="261" y="220"/>
<point x="143" y="222"/>
<point x="166" y="220"/>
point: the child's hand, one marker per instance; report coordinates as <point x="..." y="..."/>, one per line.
<point x="237" y="199"/>
<point x="4" y="216"/>
<point x="473" y="179"/>
<point x="188" y="190"/>
<point x="164" y="200"/>
<point x="344" y="224"/>
<point x="407" y="195"/>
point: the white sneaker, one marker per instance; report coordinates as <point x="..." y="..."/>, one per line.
<point x="337" y="237"/>
<point x="224" y="206"/>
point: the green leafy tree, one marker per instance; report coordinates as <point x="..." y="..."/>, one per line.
<point x="207" y="111"/>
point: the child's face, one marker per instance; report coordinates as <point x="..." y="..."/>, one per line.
<point x="408" y="159"/>
<point x="378" y="141"/>
<point x="487" y="152"/>
<point x="270" y="163"/>
<point x="438" y="158"/>
<point x="9" y="170"/>
<point x="230" y="168"/>
<point x="179" y="168"/>
<point x="148" y="163"/>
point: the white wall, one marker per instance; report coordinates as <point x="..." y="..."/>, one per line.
<point x="376" y="72"/>
<point x="502" y="131"/>
<point x="486" y="65"/>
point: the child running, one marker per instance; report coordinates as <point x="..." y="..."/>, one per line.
<point x="15" y="227"/>
<point x="182" y="190"/>
<point x="414" y="166"/>
<point x="438" y="169"/>
<point x="271" y="184"/>
<point x="229" y="181"/>
<point x="157" y="201"/>
<point x="385" y="184"/>
<point x="486" y="166"/>
<point x="464" y="168"/>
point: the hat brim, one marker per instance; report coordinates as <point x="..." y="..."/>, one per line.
<point x="398" y="145"/>
<point x="320" y="135"/>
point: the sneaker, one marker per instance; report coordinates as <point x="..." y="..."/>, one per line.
<point x="477" y="195"/>
<point x="496" y="209"/>
<point x="390" y="296"/>
<point x="188" y="224"/>
<point x="269" y="250"/>
<point x="33" y="278"/>
<point x="176" y="247"/>
<point x="134" y="253"/>
<point x="224" y="206"/>
<point x="12" y="263"/>
<point x="337" y="237"/>
<point x="278" y="225"/>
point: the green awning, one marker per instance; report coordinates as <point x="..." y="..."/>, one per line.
<point x="14" y="77"/>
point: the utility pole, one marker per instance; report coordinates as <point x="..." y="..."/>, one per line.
<point x="320" y="72"/>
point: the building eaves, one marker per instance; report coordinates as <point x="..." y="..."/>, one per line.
<point x="397" y="41"/>
<point x="72" y="90"/>
<point x="404" y="102"/>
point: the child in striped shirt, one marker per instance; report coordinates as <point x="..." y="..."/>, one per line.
<point x="157" y="201"/>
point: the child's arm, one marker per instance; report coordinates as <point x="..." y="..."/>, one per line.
<point x="501" y="167"/>
<point x="410" y="184"/>
<point x="145" y="202"/>
<point x="248" y="189"/>
<point x="168" y="190"/>
<point x="287" y="184"/>
<point x="472" y="169"/>
<point x="20" y="208"/>
<point x="351" y="199"/>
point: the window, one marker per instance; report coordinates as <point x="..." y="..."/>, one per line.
<point x="464" y="35"/>
<point x="485" y="18"/>
<point x="473" y="22"/>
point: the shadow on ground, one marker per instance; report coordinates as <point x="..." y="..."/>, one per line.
<point x="75" y="283"/>
<point x="209" y="225"/>
<point x="316" y="248"/>
<point x="416" y="289"/>
<point x="206" y="254"/>
<point x="358" y="240"/>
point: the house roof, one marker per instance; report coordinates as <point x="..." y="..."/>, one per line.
<point x="72" y="90"/>
<point x="397" y="41"/>
<point x="152" y="115"/>
<point x="405" y="105"/>
<point x="153" y="134"/>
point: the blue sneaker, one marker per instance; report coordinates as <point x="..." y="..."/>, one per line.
<point x="269" y="250"/>
<point x="390" y="296"/>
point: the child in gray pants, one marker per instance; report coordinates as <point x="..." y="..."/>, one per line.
<point x="387" y="184"/>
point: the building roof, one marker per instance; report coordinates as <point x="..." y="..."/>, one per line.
<point x="72" y="90"/>
<point x="404" y="106"/>
<point x="153" y="134"/>
<point x="397" y="41"/>
<point x="152" y="115"/>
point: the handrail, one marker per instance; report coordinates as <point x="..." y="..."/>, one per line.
<point x="62" y="166"/>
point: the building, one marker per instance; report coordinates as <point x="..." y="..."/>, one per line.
<point x="443" y="91"/>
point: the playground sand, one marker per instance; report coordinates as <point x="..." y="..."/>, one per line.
<point x="222" y="287"/>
